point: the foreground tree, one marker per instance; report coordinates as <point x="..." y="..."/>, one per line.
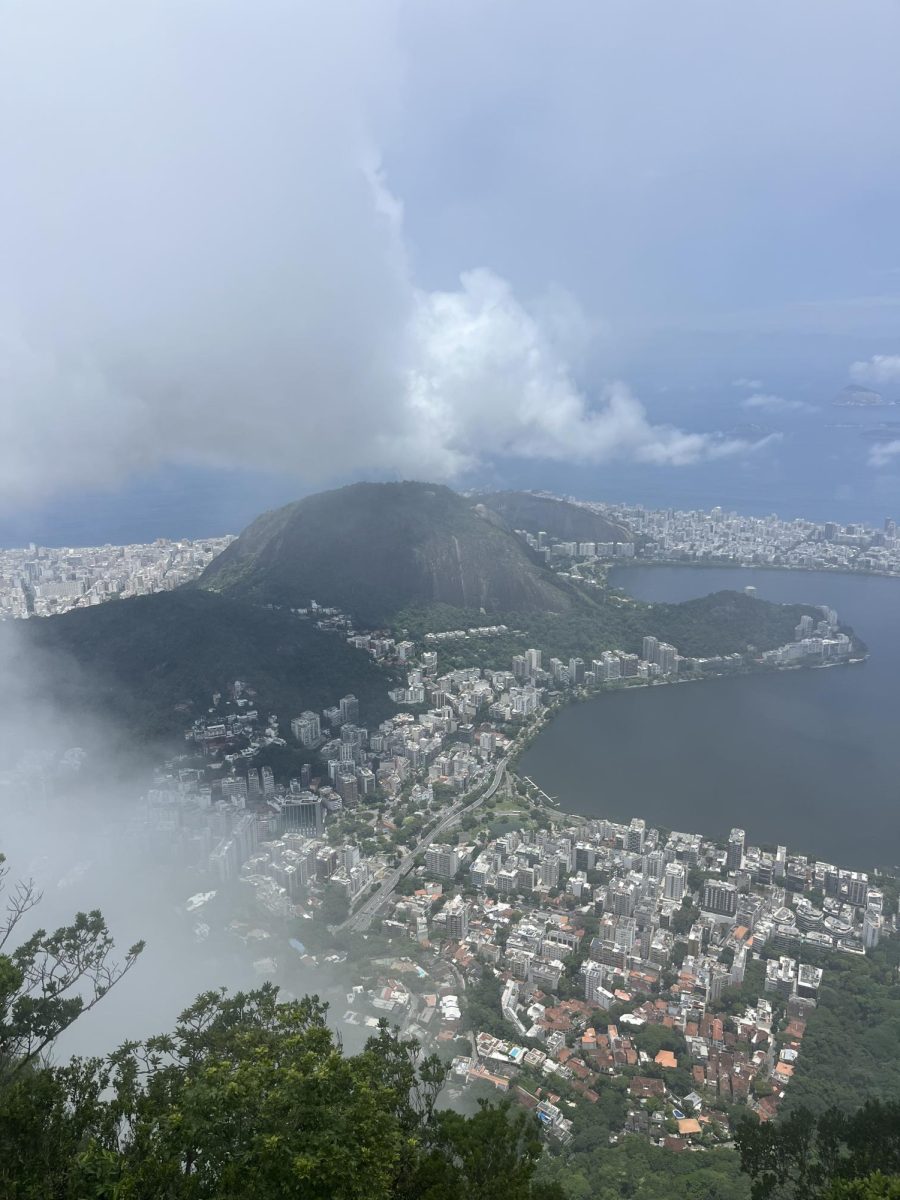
<point x="806" y="1157"/>
<point x="50" y="979"/>
<point x="250" y="1097"/>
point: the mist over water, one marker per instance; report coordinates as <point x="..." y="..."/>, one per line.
<point x="809" y="759"/>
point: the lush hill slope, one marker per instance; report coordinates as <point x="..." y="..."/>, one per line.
<point x="721" y="623"/>
<point x="558" y="518"/>
<point x="151" y="664"/>
<point x="372" y="549"/>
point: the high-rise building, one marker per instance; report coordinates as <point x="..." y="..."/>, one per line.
<point x="348" y="788"/>
<point x="650" y="649"/>
<point x="349" y="710"/>
<point x="533" y="660"/>
<point x="735" y="849"/>
<point x="667" y="657"/>
<point x="872" y="923"/>
<point x="303" y="813"/>
<point x="576" y="671"/>
<point x="621" y="898"/>
<point x="268" y="781"/>
<point x="655" y="864"/>
<point x="442" y="860"/>
<point x="857" y="887"/>
<point x="634" y="841"/>
<point x="457" y="919"/>
<point x="307" y="729"/>
<point x="674" y="882"/>
<point x="719" y="898"/>
<point x="550" y="871"/>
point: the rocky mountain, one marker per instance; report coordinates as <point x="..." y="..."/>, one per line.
<point x="559" y="518"/>
<point x="372" y="549"/>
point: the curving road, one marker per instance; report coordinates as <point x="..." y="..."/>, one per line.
<point x="362" y="918"/>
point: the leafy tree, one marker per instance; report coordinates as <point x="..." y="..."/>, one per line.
<point x="684" y="918"/>
<point x="872" y="1187"/>
<point x="335" y="906"/>
<point x="803" y="1156"/>
<point x="50" y="979"/>
<point x="251" y="1097"/>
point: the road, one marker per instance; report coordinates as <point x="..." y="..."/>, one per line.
<point x="362" y="918"/>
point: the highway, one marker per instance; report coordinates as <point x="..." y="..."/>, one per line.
<point x="362" y="918"/>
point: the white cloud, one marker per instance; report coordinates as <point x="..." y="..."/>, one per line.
<point x="204" y="263"/>
<point x="776" y="404"/>
<point x="752" y="385"/>
<point x="487" y="380"/>
<point x="883" y="454"/>
<point x="879" y="369"/>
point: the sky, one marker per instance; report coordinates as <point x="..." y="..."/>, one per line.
<point x="622" y="249"/>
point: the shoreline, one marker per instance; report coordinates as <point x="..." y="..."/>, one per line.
<point x="564" y="702"/>
<point x="733" y="565"/>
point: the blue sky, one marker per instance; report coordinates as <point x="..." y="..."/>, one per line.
<point x="252" y="250"/>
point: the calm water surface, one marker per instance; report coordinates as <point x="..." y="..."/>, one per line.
<point x="810" y="759"/>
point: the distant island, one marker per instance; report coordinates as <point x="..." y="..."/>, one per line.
<point x="852" y="396"/>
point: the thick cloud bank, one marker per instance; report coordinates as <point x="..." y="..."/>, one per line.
<point x="879" y="369"/>
<point x="202" y="263"/>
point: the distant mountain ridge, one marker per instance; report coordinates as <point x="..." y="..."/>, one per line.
<point x="560" y="519"/>
<point x="372" y="549"/>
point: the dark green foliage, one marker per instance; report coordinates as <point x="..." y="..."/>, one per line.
<point x="249" y="1097"/>
<point x="684" y="918"/>
<point x="483" y="1008"/>
<point x="735" y="1000"/>
<point x="151" y="664"/>
<point x="802" y="1156"/>
<point x="635" y="1170"/>
<point x="721" y="623"/>
<point x="851" y="1050"/>
<point x="871" y="1187"/>
<point x="653" y="1038"/>
<point x="372" y="548"/>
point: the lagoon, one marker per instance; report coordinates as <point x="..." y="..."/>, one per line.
<point x="809" y="759"/>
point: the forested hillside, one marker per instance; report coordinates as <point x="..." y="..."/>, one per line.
<point x="371" y="549"/>
<point x="721" y="623"/>
<point x="151" y="664"/>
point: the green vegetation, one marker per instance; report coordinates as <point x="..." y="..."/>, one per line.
<point x="246" y="1096"/>
<point x="721" y="623"/>
<point x="635" y="1169"/>
<point x="810" y="1157"/>
<point x="851" y="1051"/>
<point x="150" y="665"/>
<point x="422" y="558"/>
<point x="371" y="548"/>
<point x="250" y="1096"/>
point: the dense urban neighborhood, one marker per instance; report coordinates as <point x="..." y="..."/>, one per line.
<point x="40" y="581"/>
<point x="642" y="982"/>
<point x="560" y="960"/>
